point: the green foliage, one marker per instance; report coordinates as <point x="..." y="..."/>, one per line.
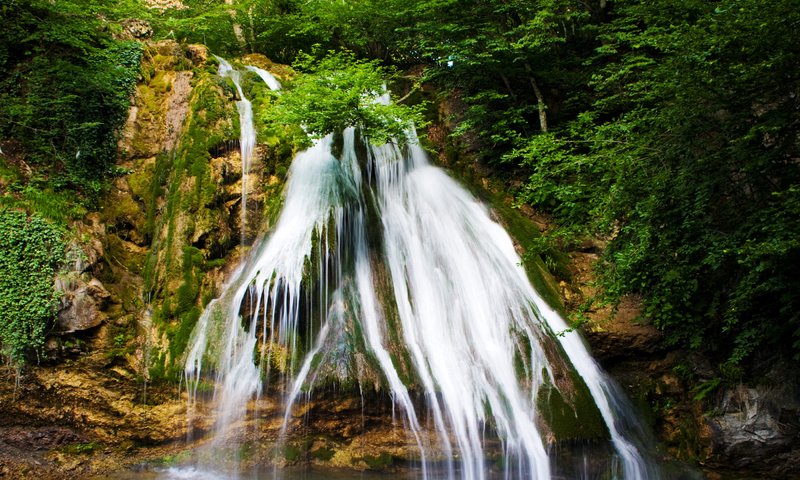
<point x="677" y="139"/>
<point x="65" y="84"/>
<point x="207" y="23"/>
<point x="30" y="251"/>
<point x="123" y="345"/>
<point x="340" y="91"/>
<point x="687" y="161"/>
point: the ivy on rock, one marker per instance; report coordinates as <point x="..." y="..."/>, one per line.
<point x="30" y="252"/>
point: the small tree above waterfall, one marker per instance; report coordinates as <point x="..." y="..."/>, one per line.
<point x="340" y="91"/>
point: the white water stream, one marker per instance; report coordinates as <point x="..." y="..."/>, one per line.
<point x="267" y="77"/>
<point x="464" y="310"/>
<point x="247" y="131"/>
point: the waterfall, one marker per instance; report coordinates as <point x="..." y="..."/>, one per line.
<point x="247" y="131"/>
<point x="267" y="77"/>
<point x="459" y="304"/>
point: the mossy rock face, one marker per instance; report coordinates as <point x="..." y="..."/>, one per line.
<point x="127" y="254"/>
<point x="573" y="419"/>
<point x="382" y="461"/>
<point x="184" y="190"/>
<point x="140" y="178"/>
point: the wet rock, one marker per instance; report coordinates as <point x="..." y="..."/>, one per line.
<point x="42" y="438"/>
<point x="753" y="426"/>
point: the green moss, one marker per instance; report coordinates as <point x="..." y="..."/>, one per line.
<point x="291" y="452"/>
<point x="526" y="233"/>
<point x="140" y="180"/>
<point x="178" y="195"/>
<point x="192" y="276"/>
<point x="179" y="335"/>
<point x="126" y="254"/>
<point x="156" y="369"/>
<point x="81" y="448"/>
<point x="578" y="419"/>
<point x="124" y="210"/>
<point x="160" y="83"/>
<point x="173" y="460"/>
<point x="158" y="179"/>
<point x="324" y="454"/>
<point x="379" y="462"/>
<point x="211" y="264"/>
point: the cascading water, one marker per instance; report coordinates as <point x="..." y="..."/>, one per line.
<point x="247" y="131"/>
<point x="267" y="77"/>
<point x="459" y="304"/>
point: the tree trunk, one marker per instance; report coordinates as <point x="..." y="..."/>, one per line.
<point x="508" y="86"/>
<point x="539" y="98"/>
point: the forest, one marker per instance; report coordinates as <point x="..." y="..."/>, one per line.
<point x="670" y="130"/>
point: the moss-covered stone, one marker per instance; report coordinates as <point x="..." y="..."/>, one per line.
<point x="576" y="419"/>
<point x="127" y="254"/>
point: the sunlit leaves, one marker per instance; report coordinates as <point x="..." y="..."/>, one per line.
<point x="340" y="91"/>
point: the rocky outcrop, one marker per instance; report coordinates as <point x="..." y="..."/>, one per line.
<point x="698" y="416"/>
<point x="84" y="299"/>
<point x="136" y="278"/>
<point x="82" y="305"/>
<point x="756" y="428"/>
<point x="84" y="417"/>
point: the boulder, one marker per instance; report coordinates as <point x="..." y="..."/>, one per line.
<point x="752" y="426"/>
<point x="198" y="54"/>
<point x="82" y="305"/>
<point x="138" y="29"/>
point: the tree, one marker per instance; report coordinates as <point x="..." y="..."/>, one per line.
<point x="340" y="91"/>
<point x="688" y="160"/>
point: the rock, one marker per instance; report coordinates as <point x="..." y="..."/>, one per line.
<point x="198" y="54"/>
<point x="754" y="426"/>
<point x="81" y="305"/>
<point x="41" y="438"/>
<point x="135" y="28"/>
<point x="177" y="108"/>
<point x="168" y="48"/>
<point x="620" y="335"/>
<point x="83" y="255"/>
<point x="163" y="5"/>
<point x="95" y="230"/>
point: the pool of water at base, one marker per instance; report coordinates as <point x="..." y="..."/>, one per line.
<point x="195" y="473"/>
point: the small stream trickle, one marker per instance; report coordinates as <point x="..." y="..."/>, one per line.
<point x="247" y="131"/>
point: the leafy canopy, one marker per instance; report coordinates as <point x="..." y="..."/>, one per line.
<point x="687" y="161"/>
<point x="65" y="83"/>
<point x="340" y="91"/>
